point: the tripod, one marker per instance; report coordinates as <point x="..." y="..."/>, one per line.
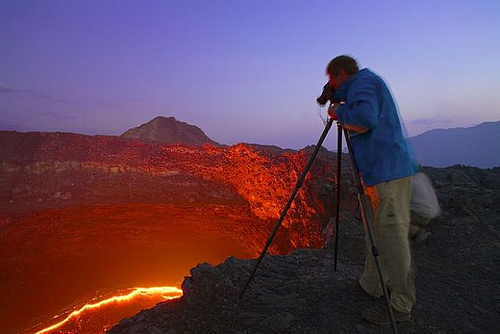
<point x="363" y="202"/>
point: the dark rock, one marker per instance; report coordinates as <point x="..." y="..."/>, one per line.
<point x="457" y="277"/>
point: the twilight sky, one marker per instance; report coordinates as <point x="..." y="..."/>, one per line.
<point x="243" y="71"/>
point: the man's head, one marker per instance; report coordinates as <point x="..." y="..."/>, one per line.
<point x="340" y="69"/>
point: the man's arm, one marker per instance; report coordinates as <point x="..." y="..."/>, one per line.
<point x="356" y="128"/>
<point x="360" y="113"/>
<point x="332" y="112"/>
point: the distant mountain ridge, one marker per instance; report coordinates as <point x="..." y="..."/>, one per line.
<point x="477" y="146"/>
<point x="168" y="130"/>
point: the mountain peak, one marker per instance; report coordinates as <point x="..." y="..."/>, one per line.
<point x="163" y="118"/>
<point x="168" y="130"/>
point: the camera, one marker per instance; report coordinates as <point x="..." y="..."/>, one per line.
<point x="328" y="94"/>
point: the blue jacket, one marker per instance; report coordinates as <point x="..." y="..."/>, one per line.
<point x="382" y="153"/>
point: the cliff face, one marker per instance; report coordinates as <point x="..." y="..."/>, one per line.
<point x="456" y="278"/>
<point x="90" y="212"/>
<point x="85" y="213"/>
<point x="47" y="170"/>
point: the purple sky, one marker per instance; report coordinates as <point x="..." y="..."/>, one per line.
<point x="243" y="71"/>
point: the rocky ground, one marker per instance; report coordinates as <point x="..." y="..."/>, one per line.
<point x="458" y="278"/>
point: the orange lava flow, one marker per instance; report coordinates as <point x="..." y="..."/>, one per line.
<point x="166" y="292"/>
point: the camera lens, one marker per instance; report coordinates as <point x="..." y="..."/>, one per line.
<point x="326" y="95"/>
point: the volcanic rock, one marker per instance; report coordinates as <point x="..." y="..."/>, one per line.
<point x="168" y="130"/>
<point x="69" y="199"/>
<point x="50" y="170"/>
<point x="457" y="278"/>
<point x="91" y="213"/>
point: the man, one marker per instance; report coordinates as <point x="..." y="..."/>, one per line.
<point x="386" y="165"/>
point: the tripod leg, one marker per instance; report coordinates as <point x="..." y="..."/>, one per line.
<point x="289" y="203"/>
<point x="337" y="196"/>
<point x="367" y="221"/>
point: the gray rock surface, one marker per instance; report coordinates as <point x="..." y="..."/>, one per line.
<point x="458" y="275"/>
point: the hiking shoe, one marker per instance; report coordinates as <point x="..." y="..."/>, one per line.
<point x="379" y="316"/>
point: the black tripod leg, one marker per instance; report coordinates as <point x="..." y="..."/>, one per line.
<point x="337" y="196"/>
<point x="367" y="221"/>
<point x="289" y="203"/>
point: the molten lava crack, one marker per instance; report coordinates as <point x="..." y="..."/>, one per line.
<point x="162" y="293"/>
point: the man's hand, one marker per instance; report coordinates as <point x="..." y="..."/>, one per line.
<point x="332" y="111"/>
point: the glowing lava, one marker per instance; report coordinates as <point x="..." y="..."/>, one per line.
<point x="97" y="317"/>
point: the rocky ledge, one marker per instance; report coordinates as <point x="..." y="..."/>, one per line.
<point x="458" y="275"/>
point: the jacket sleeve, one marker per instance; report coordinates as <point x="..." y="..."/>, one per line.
<point x="362" y="105"/>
